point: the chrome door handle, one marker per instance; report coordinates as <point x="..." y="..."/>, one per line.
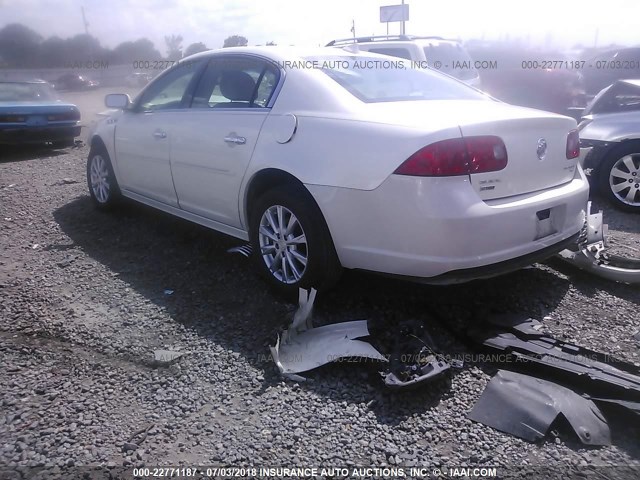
<point x="159" y="134"/>
<point x="236" y="140"/>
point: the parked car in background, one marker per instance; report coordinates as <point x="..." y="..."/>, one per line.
<point x="31" y="112"/>
<point x="604" y="69"/>
<point x="322" y="160"/>
<point x="610" y="141"/>
<point x="521" y="78"/>
<point x="74" y="81"/>
<point x="137" y="79"/>
<point x="448" y="56"/>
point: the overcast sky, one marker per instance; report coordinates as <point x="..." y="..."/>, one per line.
<point x="306" y="22"/>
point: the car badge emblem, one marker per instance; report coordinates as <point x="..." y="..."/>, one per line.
<point x="542" y="148"/>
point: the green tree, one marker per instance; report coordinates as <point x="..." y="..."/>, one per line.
<point x="139" y="50"/>
<point x="195" y="48"/>
<point x="53" y="52"/>
<point x="19" y="46"/>
<point x="83" y="47"/>
<point x="235" y="41"/>
<point x="174" y="47"/>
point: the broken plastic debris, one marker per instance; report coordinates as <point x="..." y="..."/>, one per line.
<point x="429" y="368"/>
<point x="520" y="345"/>
<point x="303" y="317"/>
<point x="526" y="407"/>
<point x="302" y="347"/>
<point x="592" y="256"/>
<point x="318" y="346"/>
<point x="611" y="267"/>
<point x="456" y="363"/>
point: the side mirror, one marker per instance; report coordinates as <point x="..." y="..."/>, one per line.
<point x="117" y="100"/>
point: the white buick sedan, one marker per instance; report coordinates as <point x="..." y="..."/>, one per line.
<point x="327" y="159"/>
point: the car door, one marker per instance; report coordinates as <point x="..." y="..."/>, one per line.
<point x="144" y="133"/>
<point x="214" y="141"/>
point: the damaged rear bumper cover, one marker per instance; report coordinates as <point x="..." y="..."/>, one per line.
<point x="303" y="347"/>
<point x="591" y="255"/>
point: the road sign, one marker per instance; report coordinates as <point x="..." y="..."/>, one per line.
<point x="394" y="13"/>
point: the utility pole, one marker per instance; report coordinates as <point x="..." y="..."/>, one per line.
<point x="90" y="51"/>
<point x="84" y="20"/>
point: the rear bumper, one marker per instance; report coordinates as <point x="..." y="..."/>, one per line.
<point x="584" y="152"/>
<point x="21" y="135"/>
<point x="440" y="231"/>
<point x="500" y="268"/>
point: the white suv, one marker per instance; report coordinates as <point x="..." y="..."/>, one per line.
<point x="441" y="54"/>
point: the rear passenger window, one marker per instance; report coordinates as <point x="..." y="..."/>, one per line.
<point x="392" y="52"/>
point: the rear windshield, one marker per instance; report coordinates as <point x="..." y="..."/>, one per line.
<point x="392" y="52"/>
<point x="373" y="79"/>
<point x="452" y="58"/>
<point x="25" y="92"/>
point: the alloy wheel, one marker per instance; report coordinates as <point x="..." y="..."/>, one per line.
<point x="283" y="244"/>
<point x="99" y="173"/>
<point x="624" y="179"/>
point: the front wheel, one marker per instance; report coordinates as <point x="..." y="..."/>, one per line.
<point x="619" y="177"/>
<point x="291" y="242"/>
<point x="101" y="180"/>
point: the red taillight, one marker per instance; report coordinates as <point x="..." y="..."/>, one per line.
<point x="457" y="156"/>
<point x="573" y="144"/>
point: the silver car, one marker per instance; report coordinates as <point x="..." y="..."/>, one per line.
<point x="610" y="143"/>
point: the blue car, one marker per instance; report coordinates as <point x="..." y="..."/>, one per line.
<point x="31" y="113"/>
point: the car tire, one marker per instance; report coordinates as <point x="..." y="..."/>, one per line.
<point x="291" y="244"/>
<point x="101" y="181"/>
<point x="619" y="177"/>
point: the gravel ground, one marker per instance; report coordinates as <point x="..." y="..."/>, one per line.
<point x="86" y="297"/>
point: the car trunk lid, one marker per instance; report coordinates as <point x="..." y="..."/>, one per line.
<point x="537" y="155"/>
<point x="523" y="130"/>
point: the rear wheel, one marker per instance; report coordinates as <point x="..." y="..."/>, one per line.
<point x="101" y="180"/>
<point x="619" y="177"/>
<point x="291" y="242"/>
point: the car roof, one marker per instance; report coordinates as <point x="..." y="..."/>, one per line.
<point x="433" y="40"/>
<point x="281" y="54"/>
